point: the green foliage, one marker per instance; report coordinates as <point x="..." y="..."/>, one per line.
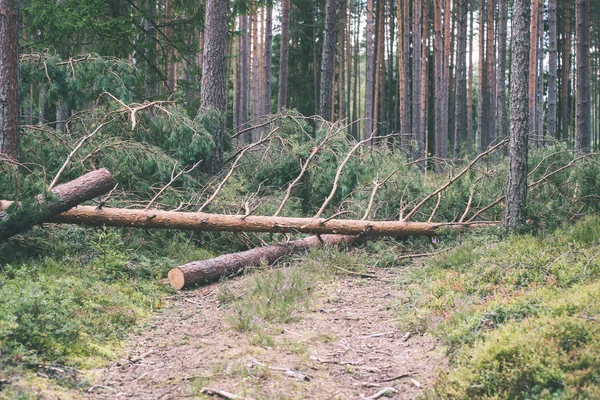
<point x="514" y="314"/>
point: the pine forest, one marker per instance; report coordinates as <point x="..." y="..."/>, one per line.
<point x="299" y="199"/>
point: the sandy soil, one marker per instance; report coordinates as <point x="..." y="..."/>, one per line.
<point x="346" y="346"/>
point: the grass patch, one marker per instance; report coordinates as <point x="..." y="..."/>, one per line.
<point x="519" y="316"/>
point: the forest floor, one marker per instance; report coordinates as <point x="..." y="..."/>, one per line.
<point x="344" y="345"/>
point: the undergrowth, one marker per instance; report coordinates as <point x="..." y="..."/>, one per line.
<point x="519" y="315"/>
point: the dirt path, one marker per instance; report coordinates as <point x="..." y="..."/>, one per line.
<point x="346" y="346"/>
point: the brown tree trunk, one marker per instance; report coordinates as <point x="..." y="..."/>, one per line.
<point x="424" y="78"/>
<point x="244" y="76"/>
<point x="203" y="222"/>
<point x="460" y="102"/>
<point x="355" y="111"/>
<point x="212" y="96"/>
<point x="405" y="109"/>
<point x="448" y="47"/>
<point x="378" y="102"/>
<point x="470" y="84"/>
<point x="418" y="137"/>
<point x="482" y="121"/>
<point x="328" y="60"/>
<point x="201" y="272"/>
<point x="19" y="219"/>
<point x="491" y="81"/>
<point x="284" y="52"/>
<point x="516" y="190"/>
<point x="268" y="60"/>
<point x="501" y="121"/>
<point x="582" y="93"/>
<point x="566" y="74"/>
<point x="9" y="79"/>
<point x="533" y="47"/>
<point x="369" y="72"/>
<point x="256" y="111"/>
<point x="438" y="80"/>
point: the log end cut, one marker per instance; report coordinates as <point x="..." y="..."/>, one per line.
<point x="176" y="278"/>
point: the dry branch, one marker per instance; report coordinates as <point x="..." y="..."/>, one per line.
<point x="199" y="272"/>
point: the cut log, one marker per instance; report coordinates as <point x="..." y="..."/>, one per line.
<point x="157" y="219"/>
<point x="200" y="272"/>
<point x="65" y="196"/>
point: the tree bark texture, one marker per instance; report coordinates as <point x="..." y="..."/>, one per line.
<point x="491" y="81"/>
<point x="158" y="219"/>
<point x="284" y="53"/>
<point x="582" y="92"/>
<point x="9" y="78"/>
<point x="212" y="95"/>
<point x="268" y="60"/>
<point x="244" y="76"/>
<point x="482" y="131"/>
<point x="501" y="121"/>
<point x="369" y="72"/>
<point x="460" y="110"/>
<point x="470" y="84"/>
<point x="418" y="137"/>
<point x="328" y="60"/>
<point x="438" y="80"/>
<point x="516" y="190"/>
<point x="533" y="46"/>
<point x="64" y="197"/>
<point x="201" y="272"/>
<point x="566" y="75"/>
<point x="405" y="111"/>
<point x="552" y="69"/>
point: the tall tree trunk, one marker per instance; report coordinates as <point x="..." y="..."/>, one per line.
<point x="533" y="47"/>
<point x="501" y="122"/>
<point x="316" y="92"/>
<point x="244" y="76"/>
<point x="540" y="80"/>
<point x="482" y="140"/>
<point x="9" y="78"/>
<point x="256" y="111"/>
<point x="212" y="95"/>
<point x="234" y="60"/>
<point x="583" y="94"/>
<point x="369" y="72"/>
<point x="355" y="111"/>
<point x="149" y="26"/>
<point x="438" y="80"/>
<point x="328" y="59"/>
<point x="446" y="85"/>
<point x="349" y="65"/>
<point x="566" y="74"/>
<point x="460" y="110"/>
<point x="516" y="189"/>
<point x="418" y="137"/>
<point x="470" y="83"/>
<point x="405" y="110"/>
<point x="284" y="54"/>
<point x="379" y="101"/>
<point x="491" y="82"/>
<point x="424" y="75"/>
<point x="268" y="60"/>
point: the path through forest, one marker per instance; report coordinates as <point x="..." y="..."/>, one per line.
<point x="345" y="346"/>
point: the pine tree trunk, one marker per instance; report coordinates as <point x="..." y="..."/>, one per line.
<point x="244" y="76"/>
<point x="405" y="110"/>
<point x="9" y="79"/>
<point x="448" y="64"/>
<point x="19" y="219"/>
<point x="355" y="111"/>
<point x="378" y="102"/>
<point x="460" y="110"/>
<point x="482" y="140"/>
<point x="470" y="84"/>
<point x="256" y="111"/>
<point x="491" y="81"/>
<point x="533" y="48"/>
<point x="566" y="75"/>
<point x="438" y="80"/>
<point x="501" y="121"/>
<point x="424" y="81"/>
<point x="418" y="137"/>
<point x="328" y="60"/>
<point x="582" y="92"/>
<point x="315" y="65"/>
<point x="369" y="72"/>
<point x="349" y="65"/>
<point x="516" y="190"/>
<point x="212" y="95"/>
<point x="284" y="52"/>
<point x="268" y="61"/>
<point x="149" y="26"/>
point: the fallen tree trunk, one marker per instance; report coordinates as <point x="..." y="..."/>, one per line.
<point x="199" y="272"/>
<point x="157" y="219"/>
<point x="64" y="197"/>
